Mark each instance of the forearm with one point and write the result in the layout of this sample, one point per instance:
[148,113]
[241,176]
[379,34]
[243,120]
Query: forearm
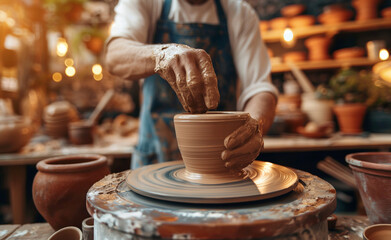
[129,59]
[262,107]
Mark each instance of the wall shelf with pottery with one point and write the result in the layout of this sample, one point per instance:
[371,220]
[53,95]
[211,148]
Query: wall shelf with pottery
[325,64]
[351,26]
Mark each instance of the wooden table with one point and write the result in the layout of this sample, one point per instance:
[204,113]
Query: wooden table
[347,227]
[16,163]
[297,143]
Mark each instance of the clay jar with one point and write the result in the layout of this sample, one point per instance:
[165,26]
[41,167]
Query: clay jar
[201,140]
[61,185]
[318,48]
[372,171]
[365,9]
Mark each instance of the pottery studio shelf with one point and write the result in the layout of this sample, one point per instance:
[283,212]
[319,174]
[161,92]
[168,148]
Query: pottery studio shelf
[351,26]
[325,64]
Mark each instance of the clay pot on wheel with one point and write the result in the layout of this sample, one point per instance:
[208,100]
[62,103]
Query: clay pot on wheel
[201,140]
[372,171]
[61,185]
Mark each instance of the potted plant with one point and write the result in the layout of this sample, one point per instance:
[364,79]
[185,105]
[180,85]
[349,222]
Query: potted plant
[350,90]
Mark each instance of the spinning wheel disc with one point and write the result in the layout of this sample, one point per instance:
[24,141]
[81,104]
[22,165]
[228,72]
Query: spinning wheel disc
[170,181]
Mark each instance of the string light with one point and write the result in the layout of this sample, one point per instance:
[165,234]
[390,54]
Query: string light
[98,77]
[383,54]
[70,71]
[97,69]
[68,62]
[288,38]
[57,77]
[62,47]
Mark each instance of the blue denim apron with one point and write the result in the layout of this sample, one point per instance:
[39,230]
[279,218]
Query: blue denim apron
[157,141]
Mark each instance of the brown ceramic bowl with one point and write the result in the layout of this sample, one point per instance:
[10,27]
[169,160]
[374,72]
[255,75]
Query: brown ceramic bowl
[15,133]
[318,134]
[295,56]
[335,16]
[279,23]
[372,171]
[302,21]
[201,139]
[292,10]
[386,12]
[349,53]
[377,232]
[80,133]
[264,25]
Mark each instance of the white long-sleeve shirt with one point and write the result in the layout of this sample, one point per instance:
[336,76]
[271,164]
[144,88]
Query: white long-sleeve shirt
[136,20]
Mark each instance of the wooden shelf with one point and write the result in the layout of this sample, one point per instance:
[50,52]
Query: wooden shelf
[352,26]
[326,64]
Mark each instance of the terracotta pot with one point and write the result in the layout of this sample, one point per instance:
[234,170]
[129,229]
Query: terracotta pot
[377,232]
[318,48]
[335,16]
[61,185]
[201,139]
[81,132]
[302,21]
[15,133]
[350,117]
[365,9]
[292,10]
[295,56]
[349,53]
[386,12]
[372,171]
[279,23]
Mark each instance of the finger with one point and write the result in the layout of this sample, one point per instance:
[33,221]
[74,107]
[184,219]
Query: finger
[253,146]
[211,91]
[242,134]
[171,79]
[183,88]
[196,86]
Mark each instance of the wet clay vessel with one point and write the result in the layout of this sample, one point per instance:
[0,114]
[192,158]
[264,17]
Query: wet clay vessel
[372,171]
[377,232]
[61,184]
[201,140]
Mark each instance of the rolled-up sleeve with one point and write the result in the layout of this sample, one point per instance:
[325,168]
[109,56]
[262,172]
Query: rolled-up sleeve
[132,20]
[249,52]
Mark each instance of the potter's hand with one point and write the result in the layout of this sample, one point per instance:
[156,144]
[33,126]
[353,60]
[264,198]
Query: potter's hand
[243,146]
[190,73]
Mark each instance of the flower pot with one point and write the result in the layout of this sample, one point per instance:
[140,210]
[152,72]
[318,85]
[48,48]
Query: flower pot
[350,117]
[365,9]
[201,140]
[318,48]
[319,111]
[61,185]
[372,171]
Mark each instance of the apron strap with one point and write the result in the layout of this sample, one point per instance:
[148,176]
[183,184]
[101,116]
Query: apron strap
[220,13]
[166,10]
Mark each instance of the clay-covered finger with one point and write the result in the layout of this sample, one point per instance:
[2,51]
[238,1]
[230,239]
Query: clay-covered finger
[211,90]
[183,89]
[171,79]
[242,134]
[196,86]
[253,146]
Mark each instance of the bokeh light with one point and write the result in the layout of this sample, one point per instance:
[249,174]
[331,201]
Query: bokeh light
[62,47]
[383,54]
[97,69]
[68,62]
[70,71]
[98,77]
[57,77]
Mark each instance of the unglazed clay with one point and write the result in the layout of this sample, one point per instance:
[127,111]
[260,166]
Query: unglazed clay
[170,181]
[61,184]
[372,171]
[191,75]
[377,232]
[201,140]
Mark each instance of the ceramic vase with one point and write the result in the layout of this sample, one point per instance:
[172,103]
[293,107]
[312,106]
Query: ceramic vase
[201,139]
[61,185]
[317,110]
[350,117]
[372,171]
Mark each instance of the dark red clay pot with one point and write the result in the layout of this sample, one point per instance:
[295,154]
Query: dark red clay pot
[61,185]
[372,171]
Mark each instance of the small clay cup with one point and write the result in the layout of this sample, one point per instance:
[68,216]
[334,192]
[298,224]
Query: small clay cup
[81,133]
[67,233]
[377,232]
[372,171]
[201,139]
[88,228]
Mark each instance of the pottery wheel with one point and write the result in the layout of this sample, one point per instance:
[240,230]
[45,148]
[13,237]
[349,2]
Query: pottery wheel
[120,213]
[170,181]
